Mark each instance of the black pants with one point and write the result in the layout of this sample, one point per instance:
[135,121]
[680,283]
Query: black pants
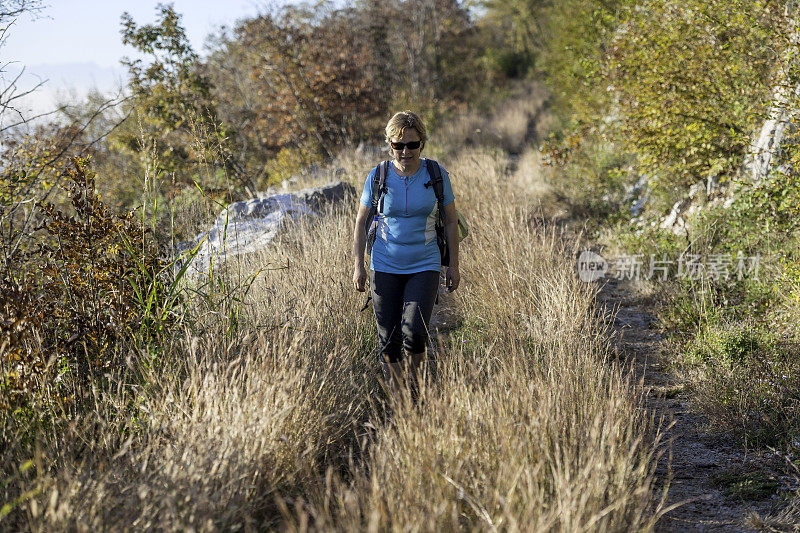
[403,304]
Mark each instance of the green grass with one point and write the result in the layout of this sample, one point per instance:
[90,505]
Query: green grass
[749,485]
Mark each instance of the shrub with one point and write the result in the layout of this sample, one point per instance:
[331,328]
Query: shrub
[747,379]
[691,78]
[71,298]
[592,172]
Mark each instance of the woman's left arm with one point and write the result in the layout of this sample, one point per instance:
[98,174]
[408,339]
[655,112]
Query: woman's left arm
[453,277]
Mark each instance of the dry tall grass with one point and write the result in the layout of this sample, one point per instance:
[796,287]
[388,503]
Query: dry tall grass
[529,426]
[266,412]
[522,119]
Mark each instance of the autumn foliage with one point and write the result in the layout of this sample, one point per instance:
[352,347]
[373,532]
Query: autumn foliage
[70,297]
[311,82]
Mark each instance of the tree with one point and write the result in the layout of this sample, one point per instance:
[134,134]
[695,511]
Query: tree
[692,78]
[174,101]
[33,152]
[307,81]
[519,22]
[296,81]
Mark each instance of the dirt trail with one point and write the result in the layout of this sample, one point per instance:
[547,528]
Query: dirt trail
[698,458]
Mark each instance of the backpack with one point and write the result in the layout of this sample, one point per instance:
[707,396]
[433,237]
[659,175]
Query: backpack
[378,191]
[437,182]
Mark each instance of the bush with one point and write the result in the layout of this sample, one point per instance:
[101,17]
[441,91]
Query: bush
[72,297]
[691,79]
[592,173]
[748,380]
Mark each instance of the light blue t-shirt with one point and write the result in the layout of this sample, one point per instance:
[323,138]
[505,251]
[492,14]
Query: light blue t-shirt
[405,242]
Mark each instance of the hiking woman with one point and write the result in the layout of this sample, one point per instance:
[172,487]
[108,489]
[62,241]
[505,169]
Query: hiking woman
[405,260]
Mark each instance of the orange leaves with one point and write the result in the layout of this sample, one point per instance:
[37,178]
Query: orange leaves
[311,78]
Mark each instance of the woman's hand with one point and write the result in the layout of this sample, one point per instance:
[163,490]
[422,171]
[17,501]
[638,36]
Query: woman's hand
[359,240]
[452,278]
[359,277]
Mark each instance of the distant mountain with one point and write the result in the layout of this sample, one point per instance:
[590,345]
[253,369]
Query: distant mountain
[66,82]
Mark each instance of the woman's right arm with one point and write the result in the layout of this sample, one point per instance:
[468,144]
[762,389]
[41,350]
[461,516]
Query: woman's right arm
[359,243]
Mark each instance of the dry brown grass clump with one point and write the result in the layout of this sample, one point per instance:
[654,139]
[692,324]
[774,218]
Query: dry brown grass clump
[263,413]
[263,390]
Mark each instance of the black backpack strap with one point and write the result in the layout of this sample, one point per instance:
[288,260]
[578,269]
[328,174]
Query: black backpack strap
[379,182]
[378,192]
[435,172]
[383,171]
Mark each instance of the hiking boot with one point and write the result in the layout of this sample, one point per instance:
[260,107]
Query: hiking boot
[417,368]
[393,377]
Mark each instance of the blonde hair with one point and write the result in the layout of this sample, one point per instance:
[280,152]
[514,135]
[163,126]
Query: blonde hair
[402,121]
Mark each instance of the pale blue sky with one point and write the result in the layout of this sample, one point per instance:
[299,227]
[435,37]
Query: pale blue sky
[76,45]
[80,31]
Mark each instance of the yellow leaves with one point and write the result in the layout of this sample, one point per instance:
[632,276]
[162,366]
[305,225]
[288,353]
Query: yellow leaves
[75,305]
[684,99]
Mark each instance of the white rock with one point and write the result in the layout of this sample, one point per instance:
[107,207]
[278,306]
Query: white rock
[696,189]
[249,225]
[672,218]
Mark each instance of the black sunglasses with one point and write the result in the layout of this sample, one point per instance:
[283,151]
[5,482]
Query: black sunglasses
[413,145]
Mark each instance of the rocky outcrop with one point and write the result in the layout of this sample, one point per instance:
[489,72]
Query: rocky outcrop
[317,197]
[683,209]
[250,225]
[764,155]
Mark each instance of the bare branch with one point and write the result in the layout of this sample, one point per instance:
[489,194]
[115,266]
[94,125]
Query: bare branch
[26,120]
[10,249]
[12,84]
[11,9]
